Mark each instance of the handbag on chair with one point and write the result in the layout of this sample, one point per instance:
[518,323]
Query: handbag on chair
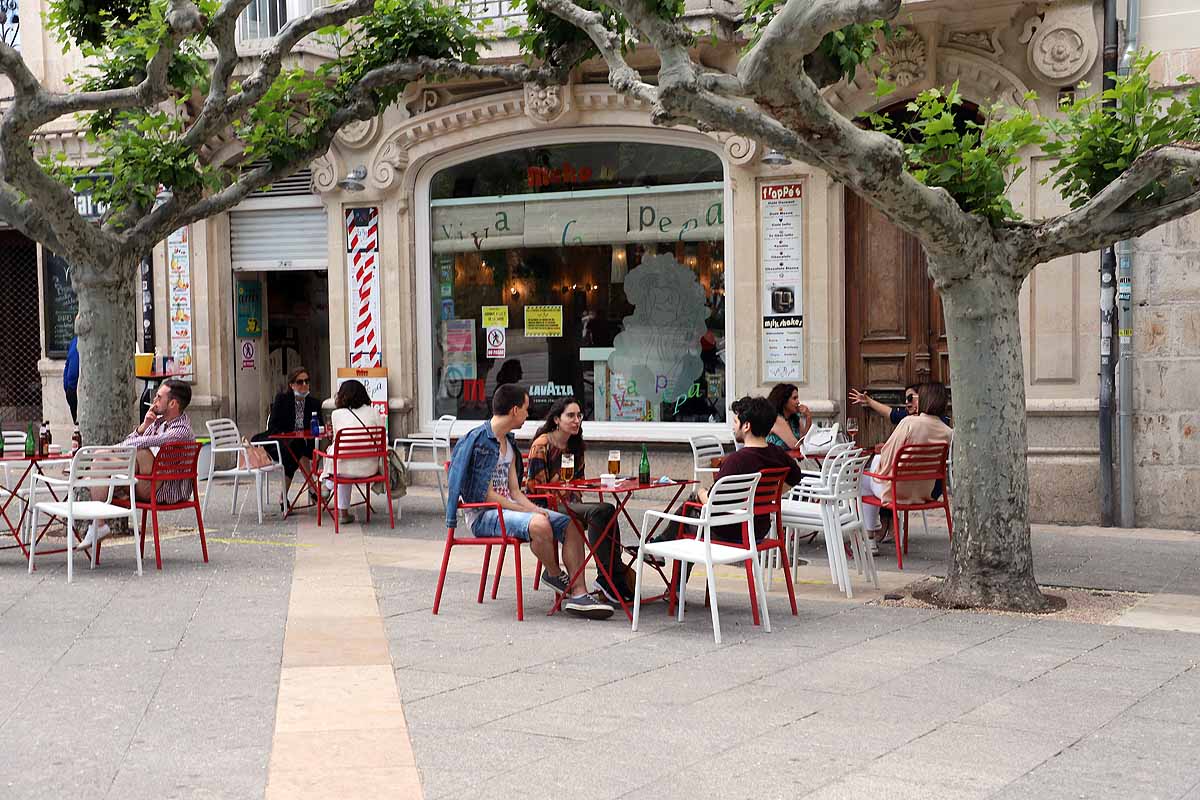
[818,441]
[253,457]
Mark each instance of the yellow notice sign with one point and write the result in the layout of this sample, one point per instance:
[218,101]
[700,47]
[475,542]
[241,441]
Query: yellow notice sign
[543,321]
[495,316]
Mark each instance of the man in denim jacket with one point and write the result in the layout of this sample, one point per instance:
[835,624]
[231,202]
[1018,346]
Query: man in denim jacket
[483,469]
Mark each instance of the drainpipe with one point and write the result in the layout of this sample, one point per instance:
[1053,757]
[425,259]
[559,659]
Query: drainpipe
[1133,14]
[1107,308]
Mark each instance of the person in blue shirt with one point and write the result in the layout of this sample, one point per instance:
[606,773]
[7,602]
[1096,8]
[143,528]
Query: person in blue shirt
[911,397]
[483,469]
[71,378]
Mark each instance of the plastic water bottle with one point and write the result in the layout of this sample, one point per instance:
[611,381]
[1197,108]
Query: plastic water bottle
[314,425]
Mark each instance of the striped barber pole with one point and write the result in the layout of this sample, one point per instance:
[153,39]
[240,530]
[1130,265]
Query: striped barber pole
[362,262]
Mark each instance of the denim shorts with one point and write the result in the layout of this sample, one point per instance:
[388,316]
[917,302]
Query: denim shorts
[516,524]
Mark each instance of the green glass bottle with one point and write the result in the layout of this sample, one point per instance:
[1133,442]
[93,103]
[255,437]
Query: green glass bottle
[1,444]
[644,467]
[29,441]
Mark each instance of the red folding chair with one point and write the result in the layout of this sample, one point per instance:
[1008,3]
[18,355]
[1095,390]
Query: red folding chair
[503,540]
[176,461]
[914,462]
[768,499]
[355,443]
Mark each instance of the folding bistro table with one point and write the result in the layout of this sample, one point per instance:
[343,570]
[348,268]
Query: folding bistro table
[621,492]
[9,496]
[310,480]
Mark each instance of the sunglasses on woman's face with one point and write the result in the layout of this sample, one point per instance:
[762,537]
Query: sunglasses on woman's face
[302,381]
[909,398]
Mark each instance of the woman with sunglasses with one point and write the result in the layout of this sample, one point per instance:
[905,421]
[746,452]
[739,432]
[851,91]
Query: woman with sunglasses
[911,399]
[293,410]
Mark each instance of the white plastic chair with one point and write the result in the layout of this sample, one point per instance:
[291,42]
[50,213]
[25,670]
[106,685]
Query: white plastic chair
[92,467]
[439,451]
[730,502]
[225,438]
[705,448]
[835,508]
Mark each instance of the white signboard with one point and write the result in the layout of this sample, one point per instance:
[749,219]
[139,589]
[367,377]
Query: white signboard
[179,294]
[496,341]
[374,379]
[781,262]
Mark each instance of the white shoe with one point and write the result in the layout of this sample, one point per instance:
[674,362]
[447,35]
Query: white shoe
[872,542]
[95,534]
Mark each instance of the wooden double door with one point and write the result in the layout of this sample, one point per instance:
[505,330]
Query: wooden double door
[895,331]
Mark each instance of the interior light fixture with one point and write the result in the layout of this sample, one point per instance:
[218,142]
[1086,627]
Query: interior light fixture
[353,182]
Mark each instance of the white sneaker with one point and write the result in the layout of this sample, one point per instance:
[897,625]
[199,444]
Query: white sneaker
[95,533]
[872,543]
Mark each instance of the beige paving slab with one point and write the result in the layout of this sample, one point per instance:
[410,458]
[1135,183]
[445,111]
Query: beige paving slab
[1167,612]
[335,783]
[340,730]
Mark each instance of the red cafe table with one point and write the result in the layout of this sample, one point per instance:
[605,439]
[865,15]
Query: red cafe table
[9,496]
[621,493]
[289,441]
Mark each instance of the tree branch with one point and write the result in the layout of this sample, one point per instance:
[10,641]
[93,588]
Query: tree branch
[622,77]
[1107,218]
[254,87]
[796,31]
[222,32]
[21,214]
[183,20]
[25,85]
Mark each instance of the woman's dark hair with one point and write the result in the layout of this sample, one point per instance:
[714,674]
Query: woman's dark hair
[352,394]
[932,398]
[508,397]
[296,373]
[574,443]
[779,396]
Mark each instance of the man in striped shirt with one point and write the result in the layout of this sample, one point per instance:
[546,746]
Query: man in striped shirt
[164,422]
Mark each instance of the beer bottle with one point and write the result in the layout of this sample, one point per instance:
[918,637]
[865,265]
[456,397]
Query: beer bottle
[644,467]
[1,443]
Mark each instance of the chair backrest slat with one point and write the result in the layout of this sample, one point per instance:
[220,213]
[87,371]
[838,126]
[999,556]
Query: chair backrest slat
[917,462]
[223,433]
[360,443]
[102,464]
[731,500]
[849,475]
[770,488]
[15,441]
[705,448]
[176,461]
[443,428]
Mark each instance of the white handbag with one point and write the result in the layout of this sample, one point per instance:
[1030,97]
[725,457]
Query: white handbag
[817,441]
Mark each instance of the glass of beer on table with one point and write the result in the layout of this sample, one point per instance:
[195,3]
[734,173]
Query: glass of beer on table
[614,462]
[566,468]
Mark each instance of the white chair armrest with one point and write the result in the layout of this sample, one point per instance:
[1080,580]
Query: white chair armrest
[37,476]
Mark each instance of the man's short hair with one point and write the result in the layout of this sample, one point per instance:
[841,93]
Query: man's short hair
[757,412]
[179,391]
[507,397]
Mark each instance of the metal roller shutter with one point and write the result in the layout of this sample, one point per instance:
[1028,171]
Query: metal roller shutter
[279,239]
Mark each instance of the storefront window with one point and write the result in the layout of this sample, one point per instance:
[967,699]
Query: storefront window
[594,270]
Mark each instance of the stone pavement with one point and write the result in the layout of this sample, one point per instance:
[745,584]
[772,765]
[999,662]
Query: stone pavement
[260,675]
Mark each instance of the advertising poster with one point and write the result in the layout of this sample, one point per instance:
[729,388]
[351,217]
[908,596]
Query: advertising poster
[458,349]
[179,298]
[375,379]
[495,316]
[781,262]
[249,308]
[545,321]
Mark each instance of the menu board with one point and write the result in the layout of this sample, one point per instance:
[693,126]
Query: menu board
[59,304]
[781,263]
[179,294]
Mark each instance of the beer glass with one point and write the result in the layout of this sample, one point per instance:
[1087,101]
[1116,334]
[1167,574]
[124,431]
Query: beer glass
[614,462]
[566,468]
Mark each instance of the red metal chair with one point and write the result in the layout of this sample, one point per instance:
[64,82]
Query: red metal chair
[914,462]
[355,443]
[503,540]
[768,499]
[175,461]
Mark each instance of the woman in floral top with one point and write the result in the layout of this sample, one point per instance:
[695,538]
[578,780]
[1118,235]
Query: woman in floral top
[562,433]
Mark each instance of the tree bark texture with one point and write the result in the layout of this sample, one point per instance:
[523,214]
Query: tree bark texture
[107,329]
[991,560]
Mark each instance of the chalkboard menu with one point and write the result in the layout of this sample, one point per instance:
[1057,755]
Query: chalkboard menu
[59,304]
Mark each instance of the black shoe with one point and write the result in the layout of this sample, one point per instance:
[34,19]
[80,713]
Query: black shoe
[614,594]
[559,583]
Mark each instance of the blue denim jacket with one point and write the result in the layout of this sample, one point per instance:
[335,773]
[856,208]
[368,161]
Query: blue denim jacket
[471,466]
